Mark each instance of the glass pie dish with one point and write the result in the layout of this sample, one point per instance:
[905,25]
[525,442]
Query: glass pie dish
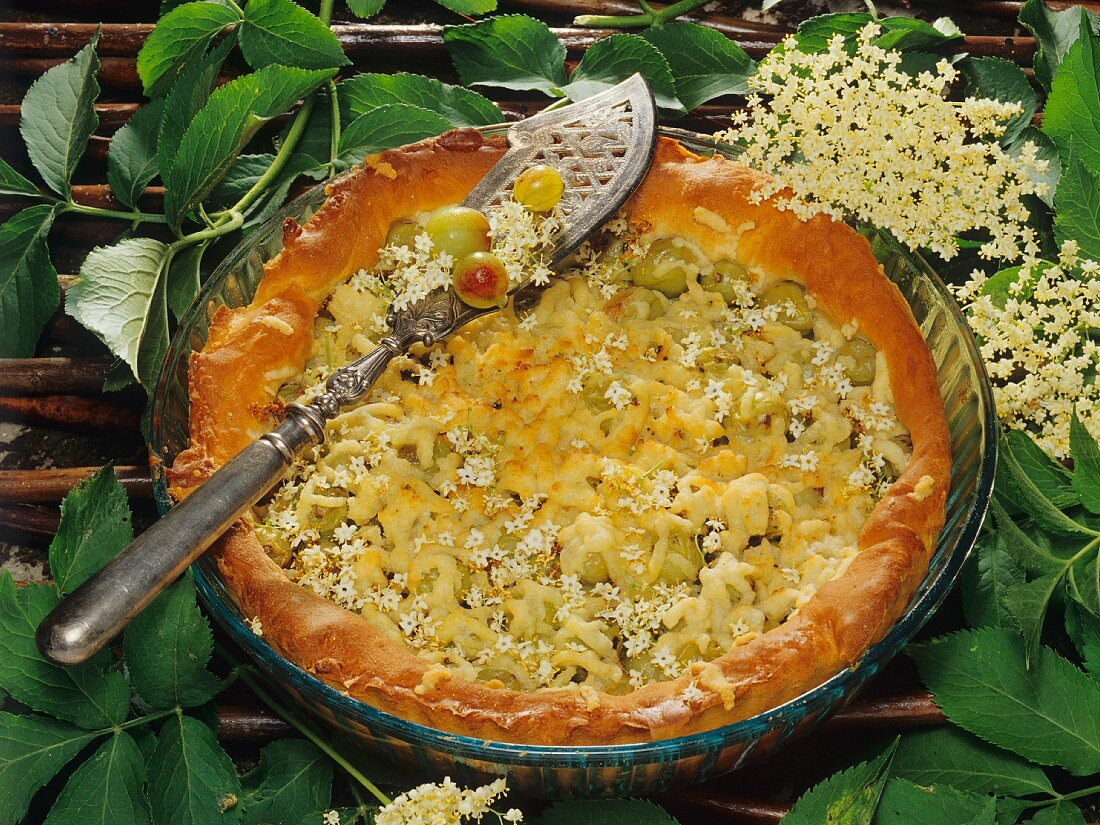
[627,769]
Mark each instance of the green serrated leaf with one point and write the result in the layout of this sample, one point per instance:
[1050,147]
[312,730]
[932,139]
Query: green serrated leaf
[348,816]
[512,51]
[472,7]
[188,95]
[115,294]
[184,279]
[1077,204]
[989,572]
[951,756]
[814,34]
[705,63]
[1061,812]
[132,154]
[191,777]
[32,750]
[167,649]
[904,803]
[1055,32]
[462,107]
[95,525]
[1014,483]
[365,8]
[93,695]
[178,40]
[294,777]
[981,681]
[224,125]
[13,183]
[282,32]
[1083,628]
[1086,464]
[1072,112]
[845,798]
[29,294]
[997,79]
[107,789]
[613,59]
[605,812]
[1032,551]
[1046,150]
[1053,480]
[276,194]
[394,124]
[1084,582]
[241,176]
[1028,603]
[58,117]
[907,33]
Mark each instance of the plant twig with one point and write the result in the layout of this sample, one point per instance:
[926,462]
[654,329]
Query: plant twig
[630,21]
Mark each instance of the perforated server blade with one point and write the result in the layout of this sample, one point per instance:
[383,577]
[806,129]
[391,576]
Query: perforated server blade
[602,147]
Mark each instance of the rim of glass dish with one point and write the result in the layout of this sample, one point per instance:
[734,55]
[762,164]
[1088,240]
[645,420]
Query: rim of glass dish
[928,598]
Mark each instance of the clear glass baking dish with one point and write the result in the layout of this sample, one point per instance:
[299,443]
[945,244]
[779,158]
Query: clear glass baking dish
[619,770]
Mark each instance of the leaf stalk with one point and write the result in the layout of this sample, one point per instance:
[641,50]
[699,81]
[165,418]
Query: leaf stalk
[629,21]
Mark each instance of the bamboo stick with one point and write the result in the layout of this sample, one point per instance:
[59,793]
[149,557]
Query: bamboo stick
[44,486]
[32,519]
[903,710]
[71,411]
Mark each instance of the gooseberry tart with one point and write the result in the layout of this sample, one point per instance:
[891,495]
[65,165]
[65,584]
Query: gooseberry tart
[699,478]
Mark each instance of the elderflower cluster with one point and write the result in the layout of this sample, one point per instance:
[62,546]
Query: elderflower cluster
[445,803]
[1037,333]
[854,136]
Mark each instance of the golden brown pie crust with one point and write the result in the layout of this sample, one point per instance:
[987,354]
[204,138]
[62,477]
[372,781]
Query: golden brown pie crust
[234,379]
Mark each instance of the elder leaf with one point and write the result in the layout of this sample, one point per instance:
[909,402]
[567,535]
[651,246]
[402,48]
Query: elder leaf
[179,39]
[184,278]
[224,125]
[107,789]
[1014,484]
[93,695]
[1072,112]
[294,778]
[848,797]
[241,176]
[907,34]
[132,154]
[32,750]
[1086,464]
[1045,150]
[980,680]
[116,295]
[394,124]
[1032,550]
[998,79]
[188,95]
[705,63]
[469,6]
[1028,602]
[605,812]
[1084,582]
[13,183]
[1083,629]
[191,779]
[904,803]
[95,525]
[613,59]
[950,756]
[989,572]
[1053,480]
[29,295]
[167,649]
[1077,203]
[365,8]
[462,107]
[512,51]
[1055,32]
[58,116]
[282,32]
[1062,812]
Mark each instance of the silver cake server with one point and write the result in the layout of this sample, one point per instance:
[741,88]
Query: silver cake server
[602,147]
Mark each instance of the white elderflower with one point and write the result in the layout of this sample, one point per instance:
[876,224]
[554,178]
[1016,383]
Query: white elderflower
[854,136]
[444,803]
[619,396]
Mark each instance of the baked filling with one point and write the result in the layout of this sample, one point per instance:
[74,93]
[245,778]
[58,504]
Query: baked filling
[666,458]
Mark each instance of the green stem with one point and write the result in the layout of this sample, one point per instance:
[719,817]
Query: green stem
[630,21]
[84,209]
[310,734]
[231,221]
[144,720]
[334,140]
